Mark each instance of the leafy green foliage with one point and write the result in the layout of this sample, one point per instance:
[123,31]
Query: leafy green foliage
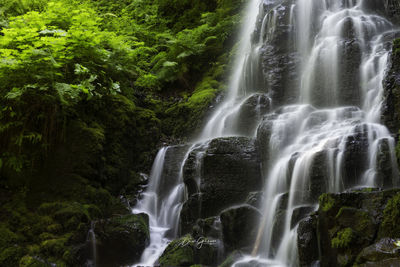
[86,90]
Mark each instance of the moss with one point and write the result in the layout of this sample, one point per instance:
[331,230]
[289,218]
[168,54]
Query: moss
[11,256]
[7,237]
[360,220]
[28,261]
[55,246]
[326,202]
[391,217]
[178,253]
[396,46]
[343,238]
[55,228]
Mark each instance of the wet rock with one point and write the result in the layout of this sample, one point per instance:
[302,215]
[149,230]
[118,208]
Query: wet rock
[190,213]
[382,250]
[300,213]
[307,241]
[388,8]
[385,173]
[239,227]
[318,177]
[230,169]
[187,251]
[249,114]
[346,224]
[209,227]
[264,131]
[355,156]
[172,167]
[121,240]
[391,84]
[255,199]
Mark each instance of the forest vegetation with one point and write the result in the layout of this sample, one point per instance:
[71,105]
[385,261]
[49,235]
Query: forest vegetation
[87,91]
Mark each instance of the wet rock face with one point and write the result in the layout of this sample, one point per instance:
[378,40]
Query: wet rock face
[351,228]
[391,84]
[387,8]
[172,165]
[229,170]
[278,54]
[307,241]
[239,227]
[250,113]
[121,240]
[355,156]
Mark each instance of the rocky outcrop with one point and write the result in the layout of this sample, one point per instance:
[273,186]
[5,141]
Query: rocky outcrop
[121,240]
[352,228]
[229,168]
[240,227]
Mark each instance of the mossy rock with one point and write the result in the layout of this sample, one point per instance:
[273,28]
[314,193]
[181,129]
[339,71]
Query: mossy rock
[187,251]
[391,219]
[343,238]
[326,202]
[29,261]
[121,240]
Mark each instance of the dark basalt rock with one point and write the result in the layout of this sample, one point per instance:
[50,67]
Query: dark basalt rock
[249,114]
[279,58]
[255,199]
[172,167]
[382,250]
[350,228]
[239,227]
[391,84]
[307,241]
[387,8]
[300,213]
[355,156]
[121,240]
[229,170]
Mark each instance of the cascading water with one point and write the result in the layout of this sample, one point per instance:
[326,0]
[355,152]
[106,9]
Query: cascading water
[308,79]
[162,203]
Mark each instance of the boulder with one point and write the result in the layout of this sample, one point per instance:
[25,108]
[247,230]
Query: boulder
[229,170]
[239,227]
[384,249]
[349,227]
[121,240]
[307,241]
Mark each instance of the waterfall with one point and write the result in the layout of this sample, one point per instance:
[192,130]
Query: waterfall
[162,202]
[91,241]
[312,71]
